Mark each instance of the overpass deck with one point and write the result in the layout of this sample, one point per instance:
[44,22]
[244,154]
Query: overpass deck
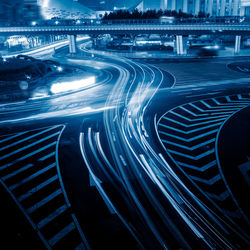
[178,29]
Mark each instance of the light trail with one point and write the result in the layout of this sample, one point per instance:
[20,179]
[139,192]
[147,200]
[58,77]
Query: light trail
[148,184]
[46,48]
[133,144]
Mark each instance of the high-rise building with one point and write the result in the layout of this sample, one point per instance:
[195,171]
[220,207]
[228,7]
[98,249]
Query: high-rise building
[31,10]
[18,11]
[245,8]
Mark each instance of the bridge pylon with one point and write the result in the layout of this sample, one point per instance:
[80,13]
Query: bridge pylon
[237,44]
[72,44]
[180,45]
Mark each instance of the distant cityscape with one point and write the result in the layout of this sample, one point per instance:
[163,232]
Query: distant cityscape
[18,11]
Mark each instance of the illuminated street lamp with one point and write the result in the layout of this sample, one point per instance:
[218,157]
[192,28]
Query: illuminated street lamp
[56,22]
[33,23]
[59,69]
[78,22]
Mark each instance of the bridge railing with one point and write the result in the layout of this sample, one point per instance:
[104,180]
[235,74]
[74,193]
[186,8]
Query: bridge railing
[160,21]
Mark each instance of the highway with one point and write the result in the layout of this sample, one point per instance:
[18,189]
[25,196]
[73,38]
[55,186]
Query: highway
[234,29]
[111,165]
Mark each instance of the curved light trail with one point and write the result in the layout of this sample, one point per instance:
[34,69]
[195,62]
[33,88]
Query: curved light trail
[150,200]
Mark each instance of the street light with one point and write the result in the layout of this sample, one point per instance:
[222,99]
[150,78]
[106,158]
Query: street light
[59,69]
[56,22]
[33,23]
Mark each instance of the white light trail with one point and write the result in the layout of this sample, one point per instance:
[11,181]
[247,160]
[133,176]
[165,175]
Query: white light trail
[73,85]
[45,48]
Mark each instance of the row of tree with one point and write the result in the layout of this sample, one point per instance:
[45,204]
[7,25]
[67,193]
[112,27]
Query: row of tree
[149,14]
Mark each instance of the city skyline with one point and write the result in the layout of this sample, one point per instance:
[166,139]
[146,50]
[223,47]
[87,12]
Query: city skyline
[211,7]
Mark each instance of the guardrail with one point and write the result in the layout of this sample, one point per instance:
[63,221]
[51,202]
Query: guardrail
[162,20]
[128,28]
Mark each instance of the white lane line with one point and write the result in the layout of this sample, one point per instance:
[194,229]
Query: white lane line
[61,234]
[14,186]
[30,145]
[27,138]
[12,137]
[44,201]
[28,155]
[52,216]
[17,172]
[37,188]
[47,156]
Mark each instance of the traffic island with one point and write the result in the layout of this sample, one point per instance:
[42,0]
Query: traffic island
[234,157]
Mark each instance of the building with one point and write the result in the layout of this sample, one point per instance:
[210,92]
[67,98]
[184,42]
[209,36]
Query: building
[19,11]
[31,10]
[245,8]
[11,12]
[211,7]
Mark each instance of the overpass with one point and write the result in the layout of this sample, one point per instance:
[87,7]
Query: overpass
[179,30]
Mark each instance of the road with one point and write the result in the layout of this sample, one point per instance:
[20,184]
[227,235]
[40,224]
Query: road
[87,168]
[182,29]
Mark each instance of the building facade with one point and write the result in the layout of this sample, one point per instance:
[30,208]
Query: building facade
[245,8]
[31,10]
[19,11]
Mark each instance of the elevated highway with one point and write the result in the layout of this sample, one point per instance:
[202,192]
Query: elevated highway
[179,30]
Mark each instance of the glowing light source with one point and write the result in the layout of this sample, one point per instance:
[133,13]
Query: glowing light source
[33,23]
[45,3]
[212,47]
[148,42]
[73,85]
[59,69]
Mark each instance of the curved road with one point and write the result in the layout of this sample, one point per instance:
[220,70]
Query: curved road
[135,186]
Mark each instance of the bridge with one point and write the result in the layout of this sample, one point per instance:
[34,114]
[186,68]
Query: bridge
[179,30]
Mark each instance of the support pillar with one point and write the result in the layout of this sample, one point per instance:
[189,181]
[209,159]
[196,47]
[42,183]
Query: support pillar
[180,45]
[237,44]
[94,41]
[36,42]
[31,42]
[52,38]
[132,39]
[72,44]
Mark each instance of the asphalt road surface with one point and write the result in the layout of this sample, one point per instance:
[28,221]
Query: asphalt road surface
[130,163]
